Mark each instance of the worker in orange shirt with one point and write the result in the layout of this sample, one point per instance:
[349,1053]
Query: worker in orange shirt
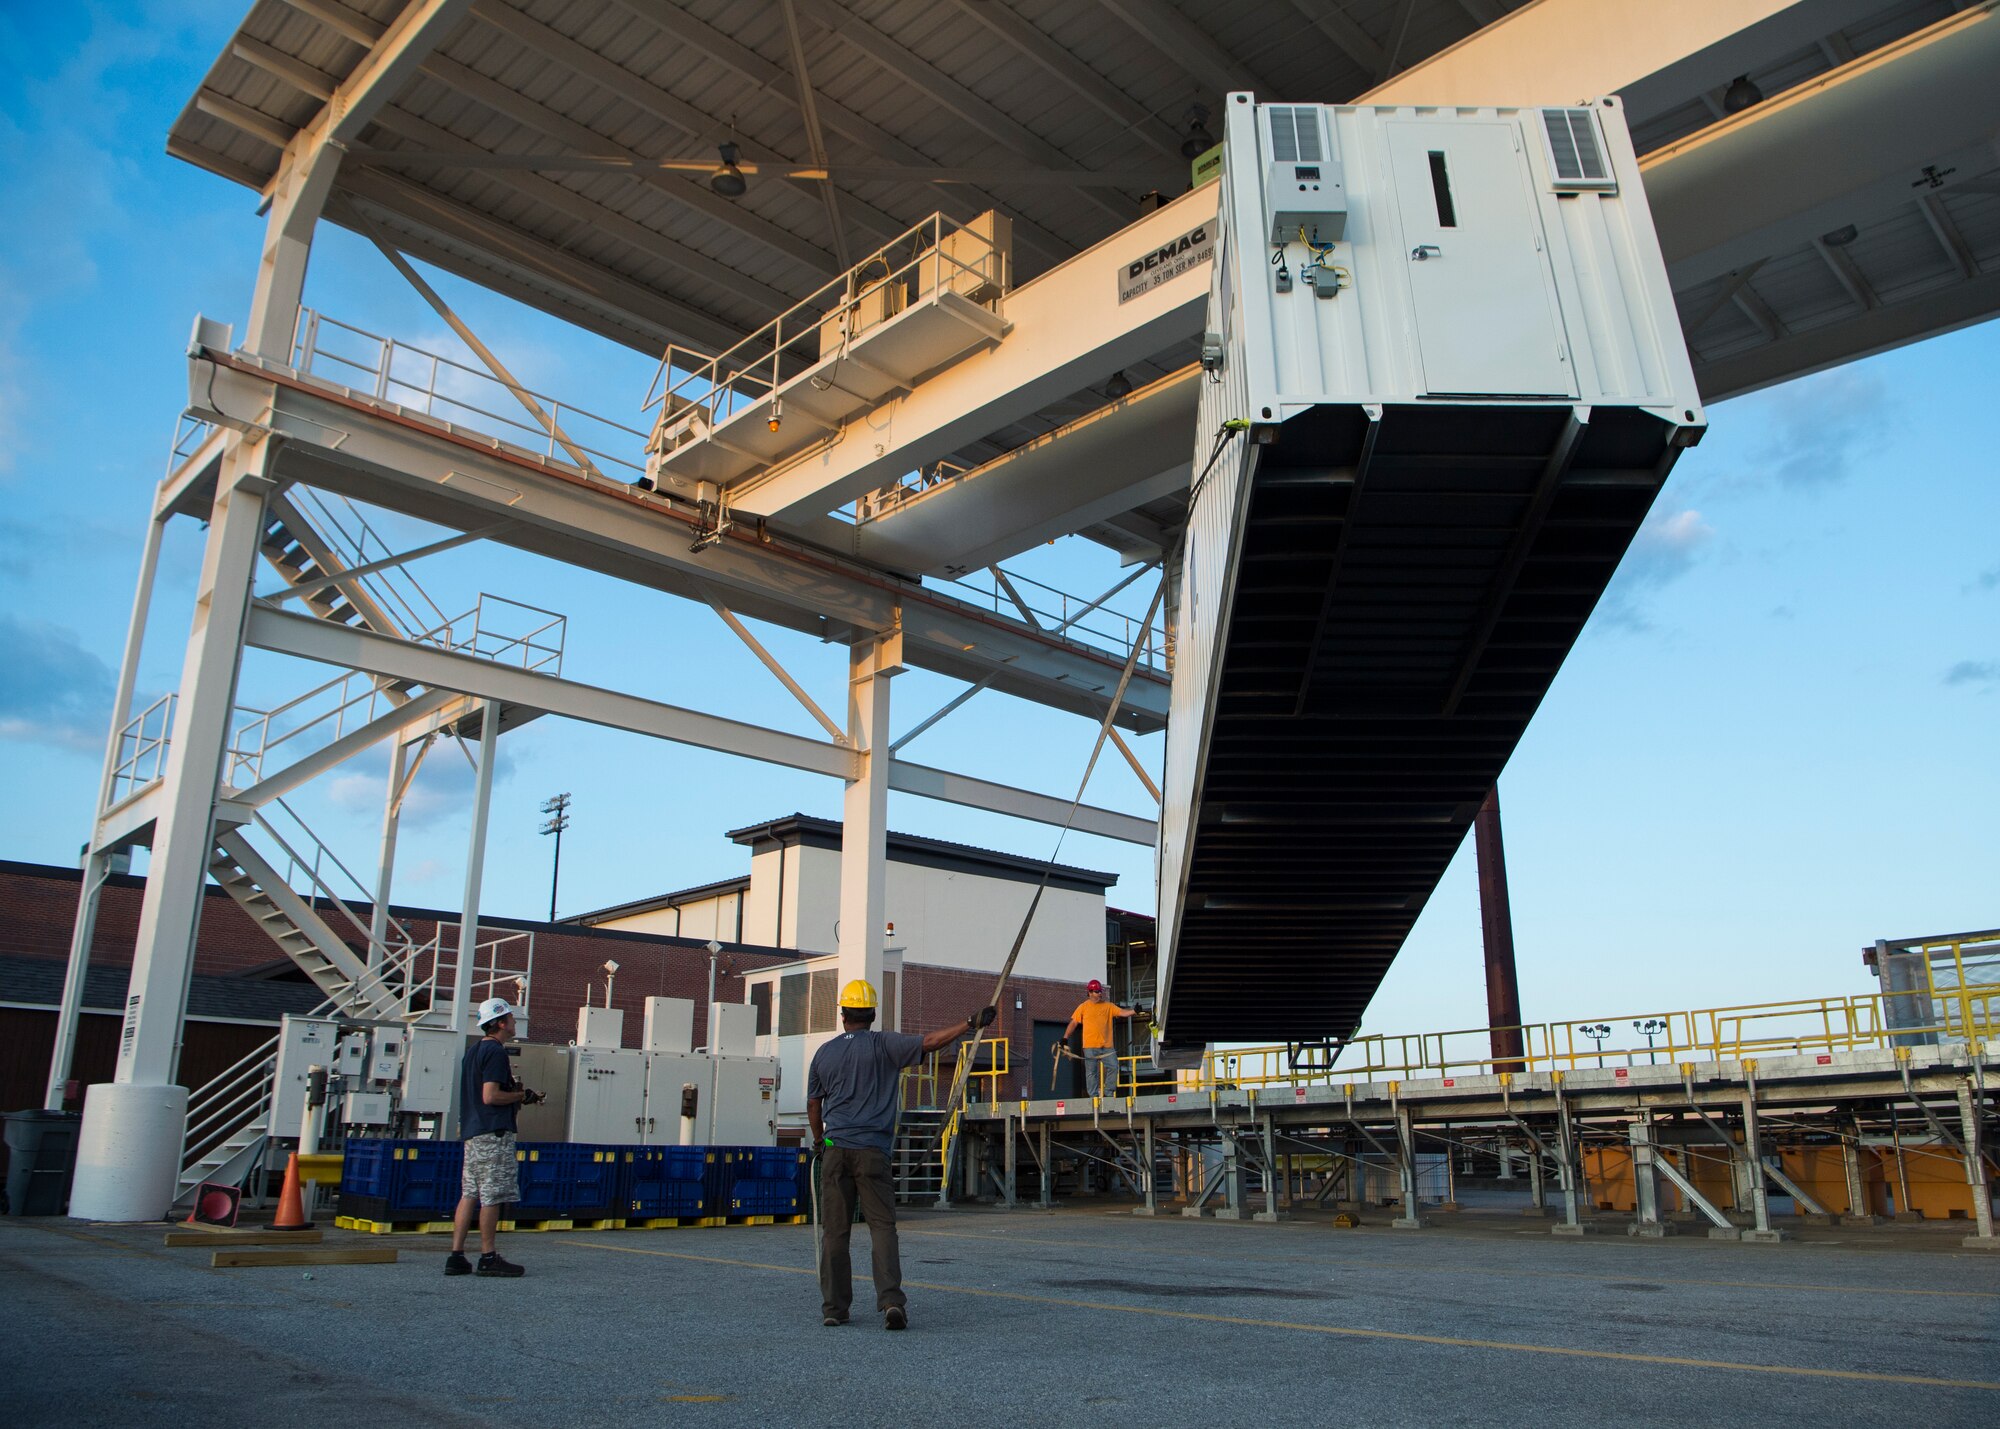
[1095,1015]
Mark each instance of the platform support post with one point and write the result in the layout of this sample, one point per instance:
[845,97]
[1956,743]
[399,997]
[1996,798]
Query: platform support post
[1412,1217]
[1975,1170]
[1010,1133]
[1753,1156]
[1048,1170]
[1271,1211]
[1566,1169]
[1645,1175]
[1150,1206]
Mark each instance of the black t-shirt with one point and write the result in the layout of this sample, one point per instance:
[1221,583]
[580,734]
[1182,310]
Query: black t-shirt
[485,1061]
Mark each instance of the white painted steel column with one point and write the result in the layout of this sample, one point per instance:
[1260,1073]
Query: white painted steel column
[385,868]
[475,868]
[98,865]
[864,845]
[126,1164]
[298,194]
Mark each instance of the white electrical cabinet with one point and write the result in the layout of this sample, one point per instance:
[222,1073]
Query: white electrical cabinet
[743,1104]
[607,1097]
[667,1074]
[600,1027]
[431,1070]
[669,1025]
[302,1042]
[732,1029]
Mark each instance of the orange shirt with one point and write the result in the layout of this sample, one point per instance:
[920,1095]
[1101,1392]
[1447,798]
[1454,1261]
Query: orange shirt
[1096,1019]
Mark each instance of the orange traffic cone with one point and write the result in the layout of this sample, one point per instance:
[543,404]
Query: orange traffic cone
[291,1204]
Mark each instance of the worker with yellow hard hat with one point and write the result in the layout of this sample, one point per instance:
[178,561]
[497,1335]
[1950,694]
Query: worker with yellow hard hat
[852,1096]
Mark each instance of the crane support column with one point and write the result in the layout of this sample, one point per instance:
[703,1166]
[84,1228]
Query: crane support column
[864,846]
[130,1141]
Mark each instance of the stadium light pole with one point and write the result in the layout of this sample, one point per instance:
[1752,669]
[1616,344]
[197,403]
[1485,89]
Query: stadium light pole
[558,809]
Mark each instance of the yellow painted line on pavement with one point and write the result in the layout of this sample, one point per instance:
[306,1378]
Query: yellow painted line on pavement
[1608,1278]
[1349,1331]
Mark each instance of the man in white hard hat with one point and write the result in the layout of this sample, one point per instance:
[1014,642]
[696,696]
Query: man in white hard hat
[852,1093]
[488,1100]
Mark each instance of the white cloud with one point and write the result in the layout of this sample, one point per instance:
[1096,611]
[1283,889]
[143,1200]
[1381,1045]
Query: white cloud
[52,690]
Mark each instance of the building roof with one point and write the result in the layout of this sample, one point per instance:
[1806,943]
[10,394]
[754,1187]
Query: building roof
[254,997]
[659,901]
[802,830]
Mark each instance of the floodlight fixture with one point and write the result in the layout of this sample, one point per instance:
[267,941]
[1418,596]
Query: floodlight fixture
[727,179]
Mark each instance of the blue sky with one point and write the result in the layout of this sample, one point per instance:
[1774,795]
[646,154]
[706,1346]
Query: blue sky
[1774,744]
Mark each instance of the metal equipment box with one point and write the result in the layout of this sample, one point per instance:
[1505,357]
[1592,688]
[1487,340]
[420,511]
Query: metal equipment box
[430,1070]
[667,1074]
[547,1069]
[366,1109]
[669,1025]
[607,1097]
[732,1029]
[302,1042]
[600,1027]
[743,1105]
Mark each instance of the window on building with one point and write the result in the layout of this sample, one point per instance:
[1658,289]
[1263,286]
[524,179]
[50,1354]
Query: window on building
[824,997]
[792,1005]
[760,998]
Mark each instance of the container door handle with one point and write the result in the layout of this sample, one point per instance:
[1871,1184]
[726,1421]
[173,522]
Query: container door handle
[1425,250]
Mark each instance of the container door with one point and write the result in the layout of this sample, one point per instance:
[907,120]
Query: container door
[607,1098]
[1479,278]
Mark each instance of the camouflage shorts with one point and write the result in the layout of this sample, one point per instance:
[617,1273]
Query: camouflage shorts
[490,1176]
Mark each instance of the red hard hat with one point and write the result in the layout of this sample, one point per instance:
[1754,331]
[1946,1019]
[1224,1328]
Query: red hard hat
[1094,986]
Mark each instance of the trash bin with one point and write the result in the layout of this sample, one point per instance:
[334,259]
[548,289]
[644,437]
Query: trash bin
[41,1161]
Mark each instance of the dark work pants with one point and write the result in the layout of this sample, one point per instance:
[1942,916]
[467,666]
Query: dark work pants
[845,1174]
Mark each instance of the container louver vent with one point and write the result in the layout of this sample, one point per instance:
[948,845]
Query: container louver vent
[1295,135]
[1576,155]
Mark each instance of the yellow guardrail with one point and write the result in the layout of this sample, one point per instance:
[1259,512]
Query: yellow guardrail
[1798,1026]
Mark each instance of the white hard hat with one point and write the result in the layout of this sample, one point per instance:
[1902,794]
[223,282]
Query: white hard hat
[493,1009]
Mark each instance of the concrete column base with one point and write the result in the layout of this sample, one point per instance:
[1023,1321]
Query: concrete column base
[1409,1223]
[1193,1213]
[1868,1220]
[1565,1228]
[1226,1213]
[1770,1237]
[1724,1233]
[1658,1230]
[1271,1217]
[1981,1242]
[128,1156]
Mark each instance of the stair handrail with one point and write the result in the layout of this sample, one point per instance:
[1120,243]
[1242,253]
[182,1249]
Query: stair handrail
[244,756]
[229,1108]
[353,547]
[126,776]
[319,883]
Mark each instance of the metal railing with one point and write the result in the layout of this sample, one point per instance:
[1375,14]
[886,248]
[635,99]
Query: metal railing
[914,266]
[396,589]
[482,631]
[1798,1027]
[142,750]
[462,396]
[327,712]
[1061,613]
[189,433]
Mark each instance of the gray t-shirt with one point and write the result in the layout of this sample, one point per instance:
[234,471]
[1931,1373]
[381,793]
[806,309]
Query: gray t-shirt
[857,1080]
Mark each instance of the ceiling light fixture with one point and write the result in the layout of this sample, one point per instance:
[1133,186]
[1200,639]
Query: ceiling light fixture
[1841,236]
[1199,141]
[727,179]
[1119,386]
[1741,94]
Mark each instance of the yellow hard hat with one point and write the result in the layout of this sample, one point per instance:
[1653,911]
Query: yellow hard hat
[859,993]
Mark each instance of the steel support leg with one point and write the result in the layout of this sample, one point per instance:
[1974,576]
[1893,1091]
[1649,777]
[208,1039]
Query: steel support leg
[1150,1205]
[475,867]
[1271,1211]
[865,811]
[1969,1111]
[1412,1217]
[1233,1179]
[1760,1196]
[1859,1212]
[385,864]
[1012,1134]
[1647,1220]
[1048,1171]
[1566,1170]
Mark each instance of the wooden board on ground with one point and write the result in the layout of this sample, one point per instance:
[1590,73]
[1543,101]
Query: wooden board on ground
[330,1255]
[248,1235]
